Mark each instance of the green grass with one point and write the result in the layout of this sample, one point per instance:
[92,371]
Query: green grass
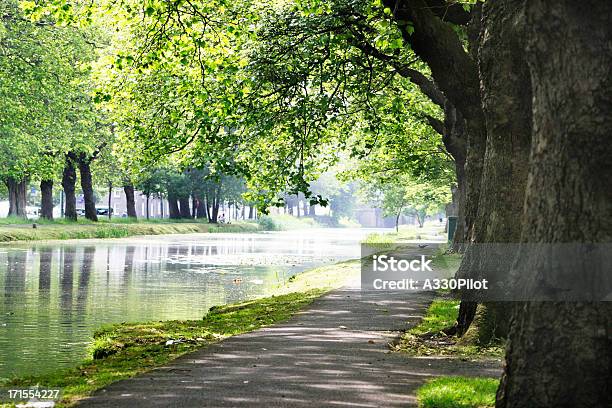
[441,314]
[405,232]
[286,222]
[125,350]
[458,392]
[104,229]
[428,339]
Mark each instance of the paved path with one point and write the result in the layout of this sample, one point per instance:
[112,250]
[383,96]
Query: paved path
[334,353]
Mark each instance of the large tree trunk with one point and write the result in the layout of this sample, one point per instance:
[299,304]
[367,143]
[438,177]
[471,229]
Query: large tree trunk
[194,207]
[17,190]
[69,177]
[201,211]
[46,202]
[147,212]
[214,217]
[184,207]
[560,353]
[173,207]
[214,214]
[87,187]
[456,74]
[128,189]
[454,139]
[506,96]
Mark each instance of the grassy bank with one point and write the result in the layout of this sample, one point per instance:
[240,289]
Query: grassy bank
[19,229]
[125,350]
[111,229]
[286,222]
[458,392]
[405,233]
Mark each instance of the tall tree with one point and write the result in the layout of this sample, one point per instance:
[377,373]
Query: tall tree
[69,177]
[46,202]
[506,102]
[45,110]
[84,163]
[567,197]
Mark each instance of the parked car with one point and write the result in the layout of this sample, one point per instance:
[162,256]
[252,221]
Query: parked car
[103,211]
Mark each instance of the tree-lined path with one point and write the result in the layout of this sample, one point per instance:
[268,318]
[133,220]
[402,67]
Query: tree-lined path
[335,353]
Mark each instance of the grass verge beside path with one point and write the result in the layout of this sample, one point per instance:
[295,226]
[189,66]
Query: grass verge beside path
[124,350]
[81,230]
[458,392]
[432,336]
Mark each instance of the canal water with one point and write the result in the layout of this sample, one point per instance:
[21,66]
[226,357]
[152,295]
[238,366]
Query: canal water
[53,296]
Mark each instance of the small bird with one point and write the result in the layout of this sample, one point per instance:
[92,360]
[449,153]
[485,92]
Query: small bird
[237,280]
[422,245]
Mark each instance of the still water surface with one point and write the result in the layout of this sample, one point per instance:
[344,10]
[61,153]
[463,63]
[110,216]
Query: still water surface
[54,295]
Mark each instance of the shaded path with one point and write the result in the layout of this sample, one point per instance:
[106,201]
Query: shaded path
[334,353]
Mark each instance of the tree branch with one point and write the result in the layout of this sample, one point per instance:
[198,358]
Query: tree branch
[427,86]
[438,45]
[449,12]
[436,124]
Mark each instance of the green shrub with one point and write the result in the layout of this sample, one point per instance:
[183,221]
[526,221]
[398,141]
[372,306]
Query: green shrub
[266,223]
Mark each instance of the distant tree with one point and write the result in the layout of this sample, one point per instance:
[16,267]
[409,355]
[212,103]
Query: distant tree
[403,195]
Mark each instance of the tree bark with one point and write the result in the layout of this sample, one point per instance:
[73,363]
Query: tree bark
[214,213]
[147,197]
[69,177]
[17,190]
[454,139]
[128,189]
[84,163]
[46,202]
[506,97]
[185,210]
[110,200]
[194,208]
[560,353]
[173,207]
[201,212]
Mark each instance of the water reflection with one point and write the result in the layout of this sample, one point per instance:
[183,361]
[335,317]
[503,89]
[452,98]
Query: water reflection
[44,267]
[55,296]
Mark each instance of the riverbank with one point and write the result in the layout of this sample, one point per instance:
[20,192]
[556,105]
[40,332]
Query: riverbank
[337,349]
[125,350]
[15,229]
[83,230]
